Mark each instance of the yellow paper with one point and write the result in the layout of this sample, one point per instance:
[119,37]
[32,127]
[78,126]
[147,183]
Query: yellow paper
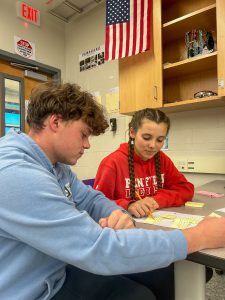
[182,223]
[170,217]
[98,99]
[194,204]
[152,221]
[112,102]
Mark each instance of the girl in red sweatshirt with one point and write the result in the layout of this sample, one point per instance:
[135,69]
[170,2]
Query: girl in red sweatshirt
[138,169]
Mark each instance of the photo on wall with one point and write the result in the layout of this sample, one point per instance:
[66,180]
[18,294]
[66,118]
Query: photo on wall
[92,58]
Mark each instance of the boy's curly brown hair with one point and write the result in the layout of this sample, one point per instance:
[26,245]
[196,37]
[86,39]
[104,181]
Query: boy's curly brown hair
[67,100]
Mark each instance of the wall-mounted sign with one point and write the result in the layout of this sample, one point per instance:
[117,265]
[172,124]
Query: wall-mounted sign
[92,58]
[28,13]
[24,48]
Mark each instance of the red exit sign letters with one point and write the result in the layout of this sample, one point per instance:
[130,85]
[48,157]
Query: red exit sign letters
[28,13]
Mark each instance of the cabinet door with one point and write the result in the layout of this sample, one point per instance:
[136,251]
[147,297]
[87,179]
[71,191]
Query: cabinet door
[220,13]
[140,76]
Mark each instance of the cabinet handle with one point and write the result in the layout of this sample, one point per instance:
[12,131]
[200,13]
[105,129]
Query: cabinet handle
[155,94]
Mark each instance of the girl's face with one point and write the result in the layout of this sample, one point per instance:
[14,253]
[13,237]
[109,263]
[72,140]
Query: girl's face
[149,138]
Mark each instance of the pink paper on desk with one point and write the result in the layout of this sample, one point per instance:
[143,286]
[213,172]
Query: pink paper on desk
[210,194]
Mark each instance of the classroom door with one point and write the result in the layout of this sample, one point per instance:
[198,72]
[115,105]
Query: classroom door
[15,90]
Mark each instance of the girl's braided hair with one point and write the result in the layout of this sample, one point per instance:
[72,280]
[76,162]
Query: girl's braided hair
[158,117]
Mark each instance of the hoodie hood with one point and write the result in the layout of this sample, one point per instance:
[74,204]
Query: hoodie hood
[18,146]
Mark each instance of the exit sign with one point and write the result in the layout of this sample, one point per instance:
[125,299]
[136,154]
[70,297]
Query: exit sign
[28,13]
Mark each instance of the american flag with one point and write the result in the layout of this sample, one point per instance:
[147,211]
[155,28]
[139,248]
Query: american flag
[127,27]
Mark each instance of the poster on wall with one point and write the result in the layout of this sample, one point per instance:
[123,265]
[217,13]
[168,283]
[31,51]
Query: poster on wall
[92,58]
[24,48]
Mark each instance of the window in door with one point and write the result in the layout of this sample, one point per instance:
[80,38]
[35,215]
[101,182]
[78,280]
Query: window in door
[12,104]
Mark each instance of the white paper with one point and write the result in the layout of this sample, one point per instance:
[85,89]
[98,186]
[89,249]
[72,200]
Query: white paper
[221,209]
[171,219]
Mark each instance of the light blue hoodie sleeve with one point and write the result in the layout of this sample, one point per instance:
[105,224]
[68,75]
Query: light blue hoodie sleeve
[35,211]
[90,200]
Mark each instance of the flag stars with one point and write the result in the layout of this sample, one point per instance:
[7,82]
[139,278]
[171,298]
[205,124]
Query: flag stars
[117,11]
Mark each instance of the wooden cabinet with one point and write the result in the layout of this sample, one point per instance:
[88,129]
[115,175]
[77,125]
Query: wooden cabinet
[164,77]
[140,76]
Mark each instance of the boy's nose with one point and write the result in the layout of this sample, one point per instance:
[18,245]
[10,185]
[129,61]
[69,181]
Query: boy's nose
[86,144]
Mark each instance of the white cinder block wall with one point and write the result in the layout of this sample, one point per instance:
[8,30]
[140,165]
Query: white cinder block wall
[199,133]
[100,147]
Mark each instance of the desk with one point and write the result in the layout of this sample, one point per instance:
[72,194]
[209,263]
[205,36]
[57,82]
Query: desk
[190,273]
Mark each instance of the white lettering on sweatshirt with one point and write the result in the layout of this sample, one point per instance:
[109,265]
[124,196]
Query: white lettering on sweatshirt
[145,186]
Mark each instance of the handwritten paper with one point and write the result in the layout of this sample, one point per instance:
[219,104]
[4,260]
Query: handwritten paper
[182,223]
[172,219]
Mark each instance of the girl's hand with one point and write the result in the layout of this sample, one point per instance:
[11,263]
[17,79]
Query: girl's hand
[142,208]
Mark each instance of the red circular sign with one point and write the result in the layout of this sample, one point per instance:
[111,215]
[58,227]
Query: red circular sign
[24,48]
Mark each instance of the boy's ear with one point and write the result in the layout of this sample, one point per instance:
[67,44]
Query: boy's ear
[54,121]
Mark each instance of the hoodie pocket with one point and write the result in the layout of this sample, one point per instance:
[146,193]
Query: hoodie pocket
[53,284]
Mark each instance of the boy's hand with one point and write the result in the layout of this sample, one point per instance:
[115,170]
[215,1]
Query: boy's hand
[117,220]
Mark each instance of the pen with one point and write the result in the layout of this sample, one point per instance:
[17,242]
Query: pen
[139,197]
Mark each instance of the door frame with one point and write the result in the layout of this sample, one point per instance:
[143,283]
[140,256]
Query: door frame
[11,57]
[22,103]
[55,74]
